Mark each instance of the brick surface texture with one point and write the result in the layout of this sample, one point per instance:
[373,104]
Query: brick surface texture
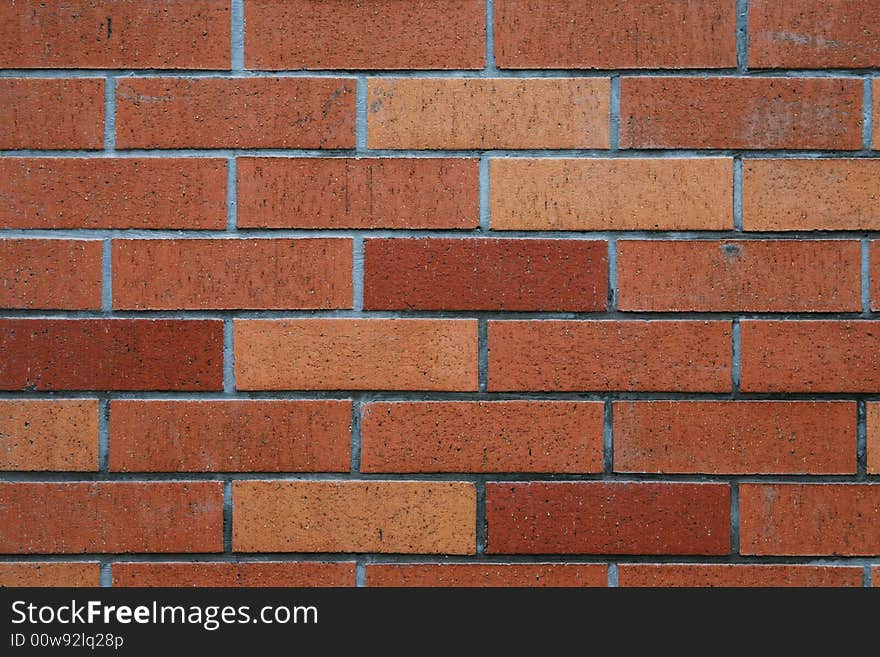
[473,293]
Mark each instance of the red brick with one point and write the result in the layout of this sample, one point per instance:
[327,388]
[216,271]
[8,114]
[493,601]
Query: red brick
[810,356]
[611,194]
[235,113]
[741,575]
[807,34]
[187,34]
[145,193]
[53,518]
[738,275]
[809,519]
[119,354]
[49,573]
[425,192]
[485,575]
[874,274]
[230,436]
[478,113]
[735,437]
[53,435]
[504,436]
[608,355]
[806,113]
[607,518]
[63,274]
[608,34]
[356,354]
[798,194]
[51,113]
[354,516]
[873,421]
[238,574]
[485,274]
[381,34]
[232,273]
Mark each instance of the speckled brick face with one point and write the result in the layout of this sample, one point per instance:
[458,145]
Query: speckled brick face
[466,293]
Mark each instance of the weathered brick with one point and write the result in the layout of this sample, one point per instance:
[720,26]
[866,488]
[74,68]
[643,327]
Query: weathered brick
[477,113]
[873,423]
[354,516]
[424,192]
[356,354]
[229,436]
[485,274]
[49,573]
[607,518]
[503,436]
[52,435]
[736,575]
[239,574]
[485,575]
[719,437]
[874,274]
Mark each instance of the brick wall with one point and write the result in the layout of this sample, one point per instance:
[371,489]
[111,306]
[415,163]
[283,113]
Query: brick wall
[439,292]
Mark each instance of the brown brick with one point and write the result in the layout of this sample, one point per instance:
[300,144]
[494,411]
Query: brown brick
[53,518]
[608,34]
[484,575]
[115,354]
[606,194]
[235,113]
[239,574]
[145,193]
[356,354]
[608,355]
[810,356]
[54,435]
[51,113]
[809,519]
[503,436]
[740,575]
[738,275]
[232,273]
[607,518]
[230,436]
[735,437]
[807,34]
[381,34]
[497,113]
[806,113]
[425,192]
[49,573]
[873,420]
[63,274]
[485,274]
[874,274]
[354,516]
[189,34]
[826,194]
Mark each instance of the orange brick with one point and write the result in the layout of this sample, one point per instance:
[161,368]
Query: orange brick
[239,574]
[735,437]
[608,34]
[62,274]
[874,274]
[354,516]
[380,34]
[229,436]
[480,113]
[49,573]
[51,113]
[232,273]
[50,518]
[873,420]
[757,276]
[748,113]
[235,113]
[356,354]
[424,192]
[608,355]
[606,194]
[504,436]
[52,435]
[729,575]
[826,194]
[111,34]
[485,575]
